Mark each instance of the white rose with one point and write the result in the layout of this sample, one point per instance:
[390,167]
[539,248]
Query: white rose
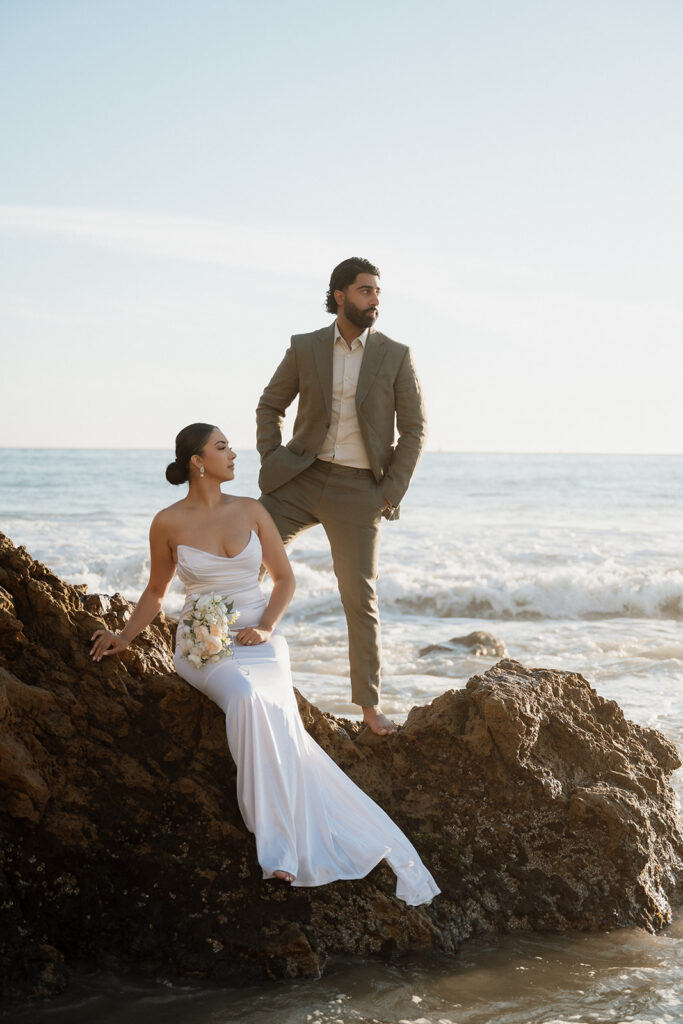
[203,602]
[214,644]
[195,659]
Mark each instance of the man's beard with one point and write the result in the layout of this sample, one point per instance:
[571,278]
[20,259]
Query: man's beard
[360,317]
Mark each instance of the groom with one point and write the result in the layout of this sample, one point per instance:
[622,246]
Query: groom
[342,467]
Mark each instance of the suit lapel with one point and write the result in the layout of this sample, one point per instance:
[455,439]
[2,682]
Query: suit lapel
[372,360]
[323,351]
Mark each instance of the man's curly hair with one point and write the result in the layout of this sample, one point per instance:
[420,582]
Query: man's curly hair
[345,274]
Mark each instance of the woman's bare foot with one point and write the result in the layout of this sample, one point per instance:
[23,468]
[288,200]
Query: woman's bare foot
[284,876]
[377,721]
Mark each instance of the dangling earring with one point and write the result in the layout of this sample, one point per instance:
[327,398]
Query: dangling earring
[201,471]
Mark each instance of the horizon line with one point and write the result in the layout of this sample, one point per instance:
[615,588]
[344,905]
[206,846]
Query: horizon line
[428,451]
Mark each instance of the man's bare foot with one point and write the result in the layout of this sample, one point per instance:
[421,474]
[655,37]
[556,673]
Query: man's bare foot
[284,876]
[377,721]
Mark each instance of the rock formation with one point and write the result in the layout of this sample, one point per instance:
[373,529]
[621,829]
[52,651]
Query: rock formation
[478,643]
[533,801]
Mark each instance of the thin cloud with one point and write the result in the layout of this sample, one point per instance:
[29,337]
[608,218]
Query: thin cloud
[492,296]
[175,237]
[288,252]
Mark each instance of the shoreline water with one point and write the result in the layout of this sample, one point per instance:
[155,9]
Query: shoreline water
[518,979]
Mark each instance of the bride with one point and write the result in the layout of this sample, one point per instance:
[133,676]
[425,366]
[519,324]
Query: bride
[311,822]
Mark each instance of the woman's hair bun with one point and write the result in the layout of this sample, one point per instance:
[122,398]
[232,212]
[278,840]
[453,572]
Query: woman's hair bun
[176,473]
[190,441]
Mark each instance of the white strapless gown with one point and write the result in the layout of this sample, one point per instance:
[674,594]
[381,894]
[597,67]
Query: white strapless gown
[308,817]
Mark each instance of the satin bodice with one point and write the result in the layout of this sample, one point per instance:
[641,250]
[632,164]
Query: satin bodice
[235,578]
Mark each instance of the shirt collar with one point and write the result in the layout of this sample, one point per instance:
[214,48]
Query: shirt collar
[361,339]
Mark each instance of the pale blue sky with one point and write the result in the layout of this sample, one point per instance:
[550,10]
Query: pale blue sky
[178,180]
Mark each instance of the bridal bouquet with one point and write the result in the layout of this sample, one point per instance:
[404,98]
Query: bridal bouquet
[205,635]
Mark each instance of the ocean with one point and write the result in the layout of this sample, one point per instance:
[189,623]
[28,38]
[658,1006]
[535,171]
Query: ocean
[571,561]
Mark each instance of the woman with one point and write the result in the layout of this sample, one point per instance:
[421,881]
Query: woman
[312,823]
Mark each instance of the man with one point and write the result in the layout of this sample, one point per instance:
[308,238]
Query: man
[342,468]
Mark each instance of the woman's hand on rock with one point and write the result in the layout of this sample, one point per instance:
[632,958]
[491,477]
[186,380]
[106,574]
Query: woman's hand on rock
[106,642]
[253,635]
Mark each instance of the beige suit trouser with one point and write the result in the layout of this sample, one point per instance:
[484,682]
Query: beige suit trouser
[347,503]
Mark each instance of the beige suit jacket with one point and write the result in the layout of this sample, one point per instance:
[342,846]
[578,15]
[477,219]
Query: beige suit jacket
[388,399]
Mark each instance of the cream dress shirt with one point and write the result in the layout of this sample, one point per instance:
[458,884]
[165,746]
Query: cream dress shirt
[343,442]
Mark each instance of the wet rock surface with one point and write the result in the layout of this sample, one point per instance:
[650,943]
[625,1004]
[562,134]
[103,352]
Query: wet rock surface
[479,643]
[534,803]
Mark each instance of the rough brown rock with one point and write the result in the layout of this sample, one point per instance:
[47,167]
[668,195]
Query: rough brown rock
[533,801]
[480,643]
